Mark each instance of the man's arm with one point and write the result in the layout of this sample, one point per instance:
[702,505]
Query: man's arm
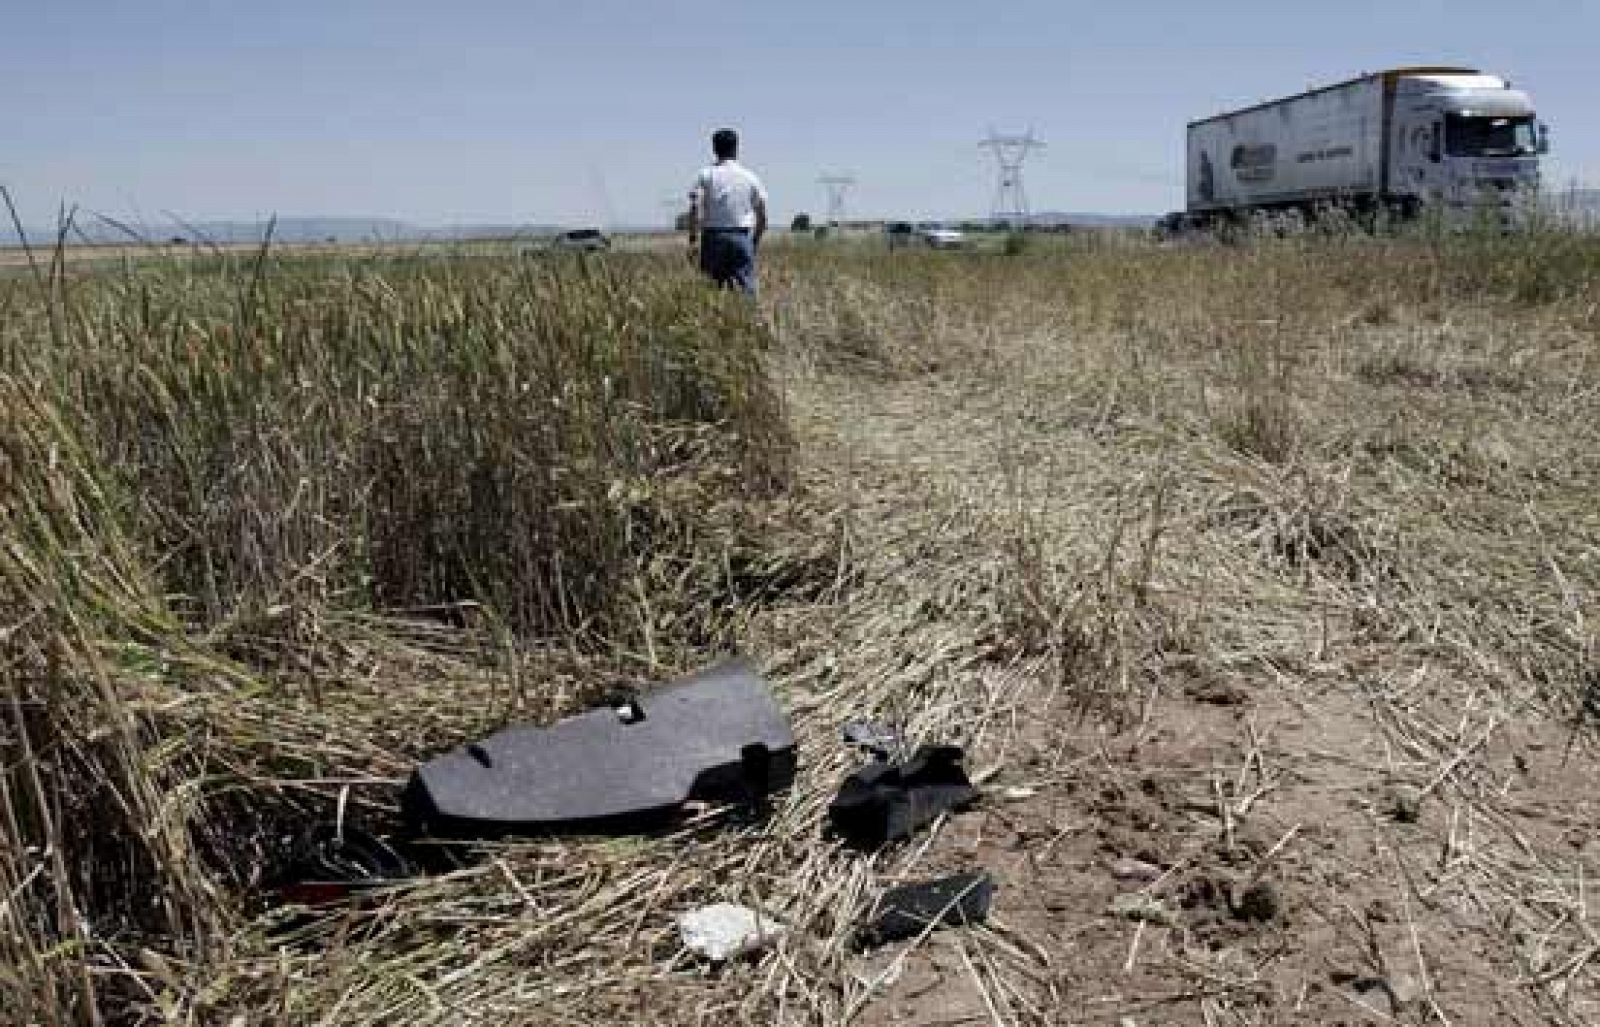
[761,217]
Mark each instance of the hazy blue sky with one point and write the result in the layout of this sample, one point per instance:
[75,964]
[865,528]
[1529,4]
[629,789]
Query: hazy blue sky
[596,110]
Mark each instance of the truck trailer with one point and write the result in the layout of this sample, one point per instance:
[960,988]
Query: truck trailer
[1400,141]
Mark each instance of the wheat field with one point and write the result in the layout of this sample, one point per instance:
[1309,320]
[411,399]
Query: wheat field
[1258,581]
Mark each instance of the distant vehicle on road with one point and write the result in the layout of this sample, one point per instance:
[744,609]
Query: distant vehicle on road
[583,240]
[941,238]
[899,233]
[1399,140]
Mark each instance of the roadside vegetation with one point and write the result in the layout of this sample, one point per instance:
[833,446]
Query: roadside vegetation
[1272,567]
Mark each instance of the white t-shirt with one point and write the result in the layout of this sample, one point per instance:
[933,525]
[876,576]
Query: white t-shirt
[727,194]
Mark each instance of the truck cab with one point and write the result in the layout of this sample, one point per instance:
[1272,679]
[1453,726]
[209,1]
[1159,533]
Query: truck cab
[1466,141]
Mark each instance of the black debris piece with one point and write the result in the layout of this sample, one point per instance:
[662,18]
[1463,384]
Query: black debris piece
[907,911]
[886,802]
[331,864]
[715,736]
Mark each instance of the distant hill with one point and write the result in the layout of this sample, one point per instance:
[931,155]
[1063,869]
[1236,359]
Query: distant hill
[300,230]
[284,230]
[1052,219]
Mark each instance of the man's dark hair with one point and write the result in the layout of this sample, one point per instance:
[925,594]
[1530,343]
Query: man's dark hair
[725,143]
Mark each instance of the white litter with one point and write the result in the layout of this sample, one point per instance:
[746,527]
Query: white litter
[1017,794]
[723,931]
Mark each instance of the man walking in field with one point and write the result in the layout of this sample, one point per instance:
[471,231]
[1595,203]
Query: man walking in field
[728,215]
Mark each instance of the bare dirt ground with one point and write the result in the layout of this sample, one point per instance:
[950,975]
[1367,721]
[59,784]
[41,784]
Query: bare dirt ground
[1306,816]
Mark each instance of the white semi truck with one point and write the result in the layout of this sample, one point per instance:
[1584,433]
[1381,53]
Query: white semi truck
[1399,141]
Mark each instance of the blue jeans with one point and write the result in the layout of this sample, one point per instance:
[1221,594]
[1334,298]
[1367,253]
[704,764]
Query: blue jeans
[728,257]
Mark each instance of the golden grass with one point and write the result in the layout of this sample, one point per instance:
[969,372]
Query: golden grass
[1026,495]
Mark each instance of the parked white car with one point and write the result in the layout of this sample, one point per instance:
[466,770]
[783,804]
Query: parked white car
[940,238]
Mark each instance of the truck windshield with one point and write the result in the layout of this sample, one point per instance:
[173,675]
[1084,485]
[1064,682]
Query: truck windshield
[1470,136]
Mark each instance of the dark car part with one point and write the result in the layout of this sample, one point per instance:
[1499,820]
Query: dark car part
[907,911]
[717,736]
[330,864]
[886,802]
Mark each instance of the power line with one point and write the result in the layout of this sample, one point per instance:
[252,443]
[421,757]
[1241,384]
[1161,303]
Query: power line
[1010,195]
